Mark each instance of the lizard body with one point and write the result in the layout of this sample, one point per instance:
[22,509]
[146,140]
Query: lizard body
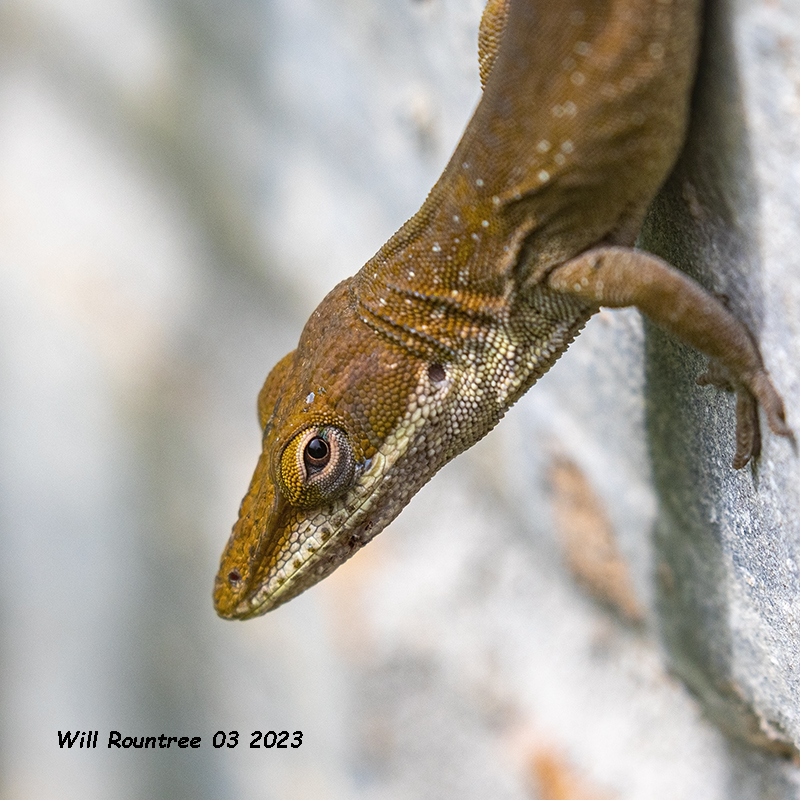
[526,234]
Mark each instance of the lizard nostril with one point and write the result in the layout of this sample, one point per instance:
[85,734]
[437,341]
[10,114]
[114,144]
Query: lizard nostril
[234,577]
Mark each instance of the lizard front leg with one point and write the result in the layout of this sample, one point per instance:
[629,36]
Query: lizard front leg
[618,277]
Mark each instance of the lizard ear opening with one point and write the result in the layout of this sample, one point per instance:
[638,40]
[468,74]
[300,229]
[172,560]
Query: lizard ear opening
[436,373]
[271,390]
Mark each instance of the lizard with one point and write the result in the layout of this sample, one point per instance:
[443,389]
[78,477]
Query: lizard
[528,232]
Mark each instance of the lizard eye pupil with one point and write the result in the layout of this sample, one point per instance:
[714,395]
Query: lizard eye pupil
[318,452]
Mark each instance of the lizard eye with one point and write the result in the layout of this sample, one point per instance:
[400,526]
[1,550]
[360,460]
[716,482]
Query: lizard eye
[316,466]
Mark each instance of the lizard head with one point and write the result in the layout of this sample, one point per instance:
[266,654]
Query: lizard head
[344,418]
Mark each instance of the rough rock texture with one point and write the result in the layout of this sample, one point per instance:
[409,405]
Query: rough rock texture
[589,605]
[727,543]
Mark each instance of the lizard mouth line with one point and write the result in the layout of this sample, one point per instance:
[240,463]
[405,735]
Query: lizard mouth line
[269,596]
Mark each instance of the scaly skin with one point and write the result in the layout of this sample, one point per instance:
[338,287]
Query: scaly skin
[526,234]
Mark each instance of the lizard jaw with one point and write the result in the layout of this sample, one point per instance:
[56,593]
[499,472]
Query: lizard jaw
[310,549]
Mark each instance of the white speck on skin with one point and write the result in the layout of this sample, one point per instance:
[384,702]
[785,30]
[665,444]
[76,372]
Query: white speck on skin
[567,146]
[496,200]
[456,218]
[543,146]
[436,248]
[310,398]
[485,223]
[578,78]
[479,182]
[544,175]
[560,159]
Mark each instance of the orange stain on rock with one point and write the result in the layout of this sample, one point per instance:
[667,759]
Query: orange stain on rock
[553,778]
[590,547]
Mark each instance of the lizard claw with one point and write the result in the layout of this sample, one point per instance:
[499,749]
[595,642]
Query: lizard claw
[771,402]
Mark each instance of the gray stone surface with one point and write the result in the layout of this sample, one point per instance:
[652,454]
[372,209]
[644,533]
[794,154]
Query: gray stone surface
[180,183]
[729,540]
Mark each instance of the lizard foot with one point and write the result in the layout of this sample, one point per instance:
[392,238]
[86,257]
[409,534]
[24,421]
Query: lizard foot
[757,391]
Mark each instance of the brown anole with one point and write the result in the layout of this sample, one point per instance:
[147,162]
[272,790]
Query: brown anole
[528,232]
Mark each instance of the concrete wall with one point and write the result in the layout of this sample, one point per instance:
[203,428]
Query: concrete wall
[588,605]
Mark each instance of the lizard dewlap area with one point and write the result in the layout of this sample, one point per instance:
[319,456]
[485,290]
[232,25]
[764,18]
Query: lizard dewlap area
[528,232]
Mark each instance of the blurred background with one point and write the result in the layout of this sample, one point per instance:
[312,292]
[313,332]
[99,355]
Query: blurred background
[181,182]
